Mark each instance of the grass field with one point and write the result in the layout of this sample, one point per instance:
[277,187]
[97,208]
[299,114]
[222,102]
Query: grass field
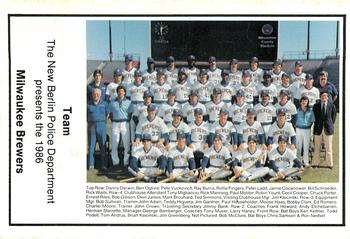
[310,175]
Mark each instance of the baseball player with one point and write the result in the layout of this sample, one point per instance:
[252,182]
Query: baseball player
[215,160]
[227,89]
[160,89]
[283,162]
[129,70]
[120,113]
[304,120]
[147,162]
[191,71]
[188,108]
[284,103]
[214,73]
[248,164]
[166,110]
[96,116]
[171,73]
[199,131]
[238,110]
[111,91]
[308,90]
[177,126]
[181,164]
[97,83]
[149,77]
[298,76]
[285,85]
[281,127]
[249,89]
[140,113]
[265,112]
[203,87]
[214,107]
[250,127]
[276,72]
[182,88]
[255,72]
[235,75]
[267,85]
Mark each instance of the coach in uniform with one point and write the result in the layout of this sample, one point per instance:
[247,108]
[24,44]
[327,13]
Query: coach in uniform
[111,92]
[129,70]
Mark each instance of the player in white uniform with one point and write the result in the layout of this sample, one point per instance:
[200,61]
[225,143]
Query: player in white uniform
[283,162]
[166,110]
[249,89]
[111,91]
[235,75]
[214,73]
[248,164]
[217,157]
[267,85]
[170,71]
[181,164]
[147,162]
[281,127]
[308,90]
[238,111]
[276,72]
[227,89]
[177,125]
[265,112]
[284,103]
[255,72]
[149,77]
[203,87]
[140,113]
[297,77]
[285,85]
[188,108]
[192,71]
[182,88]
[129,71]
[160,89]
[214,107]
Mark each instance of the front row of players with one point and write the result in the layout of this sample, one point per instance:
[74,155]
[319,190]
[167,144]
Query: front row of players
[148,162]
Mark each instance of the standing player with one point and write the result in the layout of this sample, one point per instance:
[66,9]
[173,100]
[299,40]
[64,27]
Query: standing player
[111,91]
[214,73]
[308,90]
[235,75]
[265,112]
[298,76]
[160,89]
[283,162]
[255,72]
[286,104]
[97,83]
[214,107]
[203,87]
[227,89]
[166,110]
[129,70]
[182,88]
[191,71]
[147,162]
[285,85]
[188,108]
[170,71]
[249,89]
[238,111]
[177,126]
[267,85]
[149,77]
[276,72]
[140,113]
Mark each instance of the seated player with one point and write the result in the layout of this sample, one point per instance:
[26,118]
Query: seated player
[147,162]
[181,164]
[283,162]
[248,164]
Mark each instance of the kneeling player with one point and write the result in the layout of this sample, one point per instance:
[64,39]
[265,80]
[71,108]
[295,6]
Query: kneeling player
[283,162]
[181,165]
[217,157]
[147,162]
[248,164]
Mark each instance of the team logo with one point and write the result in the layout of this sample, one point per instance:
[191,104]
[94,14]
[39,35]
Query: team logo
[267,29]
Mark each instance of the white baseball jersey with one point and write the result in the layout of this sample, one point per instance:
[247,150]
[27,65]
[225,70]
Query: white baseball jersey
[171,76]
[282,159]
[256,76]
[271,89]
[225,130]
[290,107]
[276,77]
[181,157]
[289,88]
[140,112]
[313,94]
[199,133]
[218,158]
[250,91]
[148,158]
[155,128]
[160,92]
[248,159]
[300,79]
[245,129]
[149,78]
[214,76]
[275,131]
[213,110]
[188,111]
[238,113]
[265,113]
[235,77]
[135,92]
[204,91]
[174,129]
[112,90]
[166,110]
[128,76]
[182,91]
[227,92]
[192,75]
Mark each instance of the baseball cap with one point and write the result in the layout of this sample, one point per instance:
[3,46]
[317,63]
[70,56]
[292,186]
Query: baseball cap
[128,57]
[251,111]
[160,72]
[285,92]
[211,59]
[217,136]
[277,62]
[285,75]
[117,72]
[234,61]
[182,71]
[194,92]
[198,111]
[216,91]
[245,73]
[252,137]
[180,134]
[203,71]
[267,75]
[172,92]
[298,63]
[225,111]
[170,58]
[240,92]
[151,107]
[176,112]
[281,111]
[138,73]
[150,60]
[264,92]
[147,93]
[146,136]
[225,72]
[309,77]
[325,73]
[282,138]
[254,59]
[191,58]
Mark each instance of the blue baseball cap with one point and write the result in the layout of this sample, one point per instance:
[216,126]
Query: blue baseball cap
[309,77]
[225,111]
[128,57]
[198,111]
[151,107]
[267,76]
[264,92]
[170,58]
[285,92]
[172,92]
[203,71]
[150,60]
[176,112]
[194,92]
[191,58]
[211,59]
[298,63]
[252,137]
[225,72]
[182,71]
[277,62]
[180,134]
[146,136]
[160,72]
[216,90]
[246,73]
[285,75]
[282,138]
[147,93]
[138,73]
[217,136]
[281,111]
[254,59]
[240,92]
[117,72]
[251,111]
[234,61]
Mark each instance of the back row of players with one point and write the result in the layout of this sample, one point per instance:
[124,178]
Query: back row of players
[166,102]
